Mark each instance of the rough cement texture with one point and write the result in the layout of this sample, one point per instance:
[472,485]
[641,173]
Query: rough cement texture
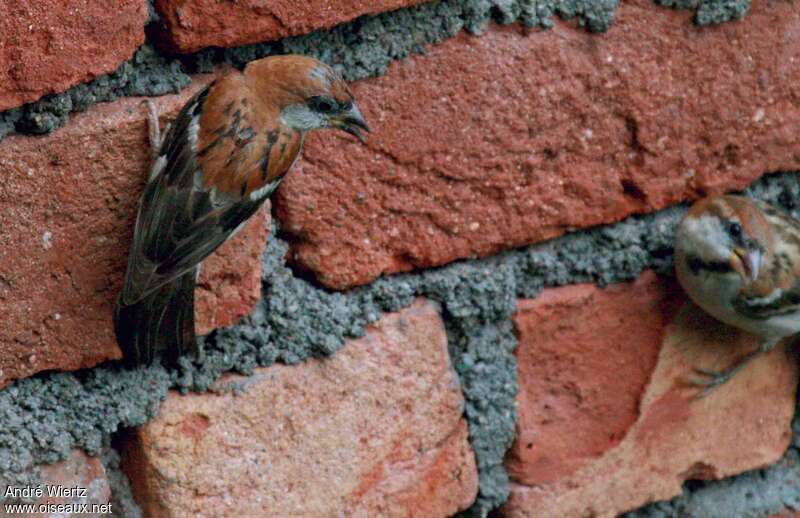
[361,48]
[47,416]
[365,47]
[712,11]
[146,73]
[483,355]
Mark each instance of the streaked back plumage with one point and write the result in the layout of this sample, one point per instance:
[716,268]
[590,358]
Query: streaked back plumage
[226,152]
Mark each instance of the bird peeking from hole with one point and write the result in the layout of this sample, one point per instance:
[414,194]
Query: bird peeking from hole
[224,154]
[739,260]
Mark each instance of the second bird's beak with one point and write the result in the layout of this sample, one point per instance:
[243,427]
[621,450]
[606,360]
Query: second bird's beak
[352,122]
[746,263]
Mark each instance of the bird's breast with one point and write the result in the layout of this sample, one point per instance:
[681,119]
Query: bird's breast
[242,148]
[248,163]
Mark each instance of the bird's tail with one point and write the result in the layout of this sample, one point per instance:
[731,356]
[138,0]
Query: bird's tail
[161,325]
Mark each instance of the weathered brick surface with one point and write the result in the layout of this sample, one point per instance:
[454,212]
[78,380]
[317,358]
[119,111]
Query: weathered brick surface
[47,46]
[607,421]
[585,358]
[78,470]
[513,137]
[230,280]
[190,25]
[67,206]
[375,430]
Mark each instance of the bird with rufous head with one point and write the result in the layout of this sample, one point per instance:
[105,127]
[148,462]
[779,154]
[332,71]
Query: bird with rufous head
[222,157]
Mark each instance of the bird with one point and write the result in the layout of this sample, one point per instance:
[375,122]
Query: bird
[224,154]
[739,260]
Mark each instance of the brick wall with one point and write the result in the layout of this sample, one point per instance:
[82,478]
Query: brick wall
[473,311]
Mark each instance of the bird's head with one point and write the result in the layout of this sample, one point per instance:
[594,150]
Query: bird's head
[724,235]
[308,93]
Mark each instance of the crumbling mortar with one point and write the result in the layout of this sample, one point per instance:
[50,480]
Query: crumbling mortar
[46,416]
[710,12]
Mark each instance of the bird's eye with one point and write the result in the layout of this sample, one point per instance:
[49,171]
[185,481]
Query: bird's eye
[735,230]
[323,104]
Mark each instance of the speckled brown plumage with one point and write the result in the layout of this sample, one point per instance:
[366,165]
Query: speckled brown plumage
[225,153]
[739,259]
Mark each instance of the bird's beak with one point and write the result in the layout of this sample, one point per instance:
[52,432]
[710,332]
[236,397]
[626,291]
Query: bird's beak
[746,263]
[352,122]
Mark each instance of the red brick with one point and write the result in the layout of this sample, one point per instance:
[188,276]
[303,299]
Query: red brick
[67,208]
[375,430]
[230,280]
[48,45]
[607,421]
[586,356]
[191,25]
[78,470]
[491,142]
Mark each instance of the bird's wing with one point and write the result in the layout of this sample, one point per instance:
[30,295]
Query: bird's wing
[184,214]
[777,291]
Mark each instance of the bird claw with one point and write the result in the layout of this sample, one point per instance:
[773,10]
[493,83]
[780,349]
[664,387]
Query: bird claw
[153,127]
[708,372]
[717,378]
[712,379]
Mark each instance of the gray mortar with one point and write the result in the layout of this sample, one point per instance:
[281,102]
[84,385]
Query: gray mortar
[146,73]
[483,355]
[43,418]
[712,11]
[46,416]
[362,48]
